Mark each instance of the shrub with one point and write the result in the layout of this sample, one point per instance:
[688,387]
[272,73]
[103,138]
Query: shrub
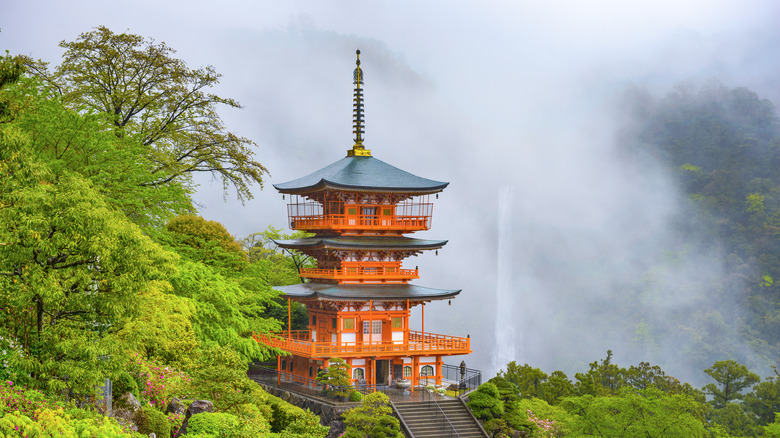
[355,396]
[305,427]
[336,378]
[485,402]
[283,413]
[151,420]
[124,383]
[217,424]
[373,418]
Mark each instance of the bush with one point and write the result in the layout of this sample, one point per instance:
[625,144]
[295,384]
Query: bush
[151,420]
[336,379]
[218,424]
[373,418]
[485,402]
[305,427]
[355,396]
[124,383]
[283,413]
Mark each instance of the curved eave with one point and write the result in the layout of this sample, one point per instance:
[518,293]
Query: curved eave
[347,292]
[367,174]
[323,185]
[387,243]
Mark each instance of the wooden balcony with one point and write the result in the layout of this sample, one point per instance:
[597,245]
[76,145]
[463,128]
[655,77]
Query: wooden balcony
[360,222]
[363,274]
[299,342]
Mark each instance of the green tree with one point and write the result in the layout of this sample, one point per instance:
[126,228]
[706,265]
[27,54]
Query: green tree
[81,143]
[557,387]
[732,378]
[159,101]
[764,401]
[528,379]
[70,269]
[208,242]
[336,378]
[646,413]
[373,418]
[225,313]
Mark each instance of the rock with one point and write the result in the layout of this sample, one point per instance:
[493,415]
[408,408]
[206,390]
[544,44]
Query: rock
[175,406]
[199,406]
[126,407]
[336,429]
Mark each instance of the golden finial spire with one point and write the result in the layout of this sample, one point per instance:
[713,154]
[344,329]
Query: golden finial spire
[358,149]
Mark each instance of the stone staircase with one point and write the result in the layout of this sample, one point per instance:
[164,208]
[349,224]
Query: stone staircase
[423,422]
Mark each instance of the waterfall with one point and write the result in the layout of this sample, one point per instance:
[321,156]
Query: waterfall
[505,315]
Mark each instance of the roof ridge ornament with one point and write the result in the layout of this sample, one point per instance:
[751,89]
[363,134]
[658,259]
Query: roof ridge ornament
[358,150]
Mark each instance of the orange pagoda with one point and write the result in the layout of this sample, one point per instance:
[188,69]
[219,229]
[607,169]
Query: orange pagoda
[359,297]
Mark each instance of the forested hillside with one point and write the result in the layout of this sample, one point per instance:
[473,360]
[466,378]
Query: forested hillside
[722,147]
[106,271]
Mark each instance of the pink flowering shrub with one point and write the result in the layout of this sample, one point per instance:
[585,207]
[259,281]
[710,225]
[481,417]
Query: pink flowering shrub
[547,428]
[160,383]
[18,398]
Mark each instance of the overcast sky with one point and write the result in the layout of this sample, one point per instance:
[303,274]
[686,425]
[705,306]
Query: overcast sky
[488,95]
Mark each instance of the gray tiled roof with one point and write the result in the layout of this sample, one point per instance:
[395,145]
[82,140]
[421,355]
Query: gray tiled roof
[379,292]
[362,242]
[367,173]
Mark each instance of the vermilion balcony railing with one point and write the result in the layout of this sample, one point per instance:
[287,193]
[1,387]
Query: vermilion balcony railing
[360,222]
[426,343]
[413,214]
[363,274]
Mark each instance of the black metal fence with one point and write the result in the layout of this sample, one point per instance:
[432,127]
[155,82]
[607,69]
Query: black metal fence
[465,379]
[468,379]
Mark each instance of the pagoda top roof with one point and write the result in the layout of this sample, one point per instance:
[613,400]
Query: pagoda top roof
[378,292]
[362,173]
[362,243]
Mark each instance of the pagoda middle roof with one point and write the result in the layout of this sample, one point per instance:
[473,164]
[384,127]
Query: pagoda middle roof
[379,292]
[362,243]
[362,173]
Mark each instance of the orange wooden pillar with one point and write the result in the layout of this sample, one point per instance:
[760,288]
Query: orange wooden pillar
[279,370]
[438,370]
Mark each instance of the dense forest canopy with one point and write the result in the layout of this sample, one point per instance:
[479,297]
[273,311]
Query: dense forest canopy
[722,146]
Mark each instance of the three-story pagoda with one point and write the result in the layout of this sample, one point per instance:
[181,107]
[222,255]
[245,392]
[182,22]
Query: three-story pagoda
[359,297]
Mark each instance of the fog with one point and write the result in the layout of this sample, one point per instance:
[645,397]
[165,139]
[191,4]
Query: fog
[515,96]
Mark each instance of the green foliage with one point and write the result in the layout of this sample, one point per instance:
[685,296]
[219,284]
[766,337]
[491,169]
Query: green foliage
[307,426]
[124,383]
[221,377]
[529,380]
[732,378]
[70,267]
[155,99]
[649,413]
[283,414]
[54,422]
[355,396]
[336,378]
[214,423]
[486,402]
[764,401]
[725,145]
[150,420]
[226,314]
[372,418]
[208,242]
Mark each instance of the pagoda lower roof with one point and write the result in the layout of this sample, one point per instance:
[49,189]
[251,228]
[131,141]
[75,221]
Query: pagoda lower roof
[377,292]
[362,173]
[362,243]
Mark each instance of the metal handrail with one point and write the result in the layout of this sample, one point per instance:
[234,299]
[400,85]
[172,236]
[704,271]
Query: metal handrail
[439,412]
